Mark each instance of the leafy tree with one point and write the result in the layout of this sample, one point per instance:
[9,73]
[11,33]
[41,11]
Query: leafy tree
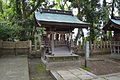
[20,12]
[58,4]
[8,32]
[61,5]
[1,9]
[118,6]
[104,18]
[90,11]
[80,31]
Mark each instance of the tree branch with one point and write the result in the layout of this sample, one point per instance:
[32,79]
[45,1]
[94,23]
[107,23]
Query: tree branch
[37,5]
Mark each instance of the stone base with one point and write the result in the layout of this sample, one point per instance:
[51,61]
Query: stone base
[55,65]
[61,58]
[8,51]
[115,56]
[52,62]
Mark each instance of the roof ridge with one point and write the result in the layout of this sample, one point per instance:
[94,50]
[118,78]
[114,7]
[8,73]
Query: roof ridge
[116,18]
[54,11]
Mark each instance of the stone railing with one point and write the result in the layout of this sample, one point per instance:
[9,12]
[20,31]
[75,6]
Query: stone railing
[15,48]
[97,47]
[115,50]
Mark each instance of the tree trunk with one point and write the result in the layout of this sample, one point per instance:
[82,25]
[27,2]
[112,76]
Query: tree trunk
[112,12]
[80,31]
[104,33]
[77,36]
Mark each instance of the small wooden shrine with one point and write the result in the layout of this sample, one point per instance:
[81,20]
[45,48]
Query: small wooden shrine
[58,41]
[114,25]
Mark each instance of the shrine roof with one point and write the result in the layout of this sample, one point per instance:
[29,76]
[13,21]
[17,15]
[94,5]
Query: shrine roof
[59,17]
[115,21]
[112,24]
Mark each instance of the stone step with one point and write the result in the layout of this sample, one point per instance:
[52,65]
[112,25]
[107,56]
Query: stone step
[72,74]
[61,58]
[56,76]
[54,65]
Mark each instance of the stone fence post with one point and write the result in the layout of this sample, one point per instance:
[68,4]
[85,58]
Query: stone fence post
[87,53]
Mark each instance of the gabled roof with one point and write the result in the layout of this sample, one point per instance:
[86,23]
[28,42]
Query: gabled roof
[115,21]
[112,24]
[59,17]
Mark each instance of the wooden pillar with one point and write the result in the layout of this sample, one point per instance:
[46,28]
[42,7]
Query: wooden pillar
[57,37]
[71,40]
[67,37]
[71,43]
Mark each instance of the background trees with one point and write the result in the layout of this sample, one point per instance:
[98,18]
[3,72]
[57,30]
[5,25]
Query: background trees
[20,13]
[89,11]
[96,12]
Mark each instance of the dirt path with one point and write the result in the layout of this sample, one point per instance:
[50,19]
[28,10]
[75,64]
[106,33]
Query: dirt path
[37,70]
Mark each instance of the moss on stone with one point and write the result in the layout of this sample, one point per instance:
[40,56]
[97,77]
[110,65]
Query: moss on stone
[87,69]
[41,68]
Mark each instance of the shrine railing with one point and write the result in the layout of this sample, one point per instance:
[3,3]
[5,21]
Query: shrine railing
[115,49]
[96,47]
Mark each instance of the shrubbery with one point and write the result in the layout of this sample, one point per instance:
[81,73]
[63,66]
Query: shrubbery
[8,32]
[14,32]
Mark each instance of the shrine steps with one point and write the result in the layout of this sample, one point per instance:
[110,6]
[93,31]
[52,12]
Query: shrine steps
[52,62]
[61,58]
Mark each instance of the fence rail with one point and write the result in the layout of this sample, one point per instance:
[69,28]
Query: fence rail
[96,47]
[115,50]
[15,48]
[24,47]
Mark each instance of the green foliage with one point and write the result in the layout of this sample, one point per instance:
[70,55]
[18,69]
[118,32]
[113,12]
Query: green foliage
[95,13]
[89,10]
[14,32]
[1,18]
[28,33]
[9,32]
[1,8]
[41,30]
[20,13]
[58,4]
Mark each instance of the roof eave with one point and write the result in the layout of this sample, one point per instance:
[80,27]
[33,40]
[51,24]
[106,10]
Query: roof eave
[107,26]
[75,25]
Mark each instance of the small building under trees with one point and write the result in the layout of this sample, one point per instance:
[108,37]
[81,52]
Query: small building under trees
[114,25]
[58,24]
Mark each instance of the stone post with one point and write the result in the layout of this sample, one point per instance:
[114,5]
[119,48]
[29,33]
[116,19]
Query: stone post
[35,41]
[87,53]
[52,43]
[40,42]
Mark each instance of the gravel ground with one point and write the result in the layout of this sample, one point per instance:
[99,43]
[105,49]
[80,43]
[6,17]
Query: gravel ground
[37,70]
[102,64]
